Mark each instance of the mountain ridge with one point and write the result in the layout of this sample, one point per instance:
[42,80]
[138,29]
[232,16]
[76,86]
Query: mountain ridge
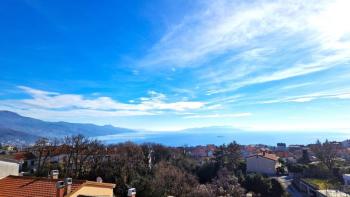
[36,127]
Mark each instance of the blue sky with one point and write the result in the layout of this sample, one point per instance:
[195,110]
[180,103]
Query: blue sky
[169,65]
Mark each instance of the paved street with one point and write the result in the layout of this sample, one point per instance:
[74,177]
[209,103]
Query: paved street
[287,184]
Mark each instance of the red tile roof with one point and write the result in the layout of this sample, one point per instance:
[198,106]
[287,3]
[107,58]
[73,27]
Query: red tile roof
[266,155]
[20,186]
[24,156]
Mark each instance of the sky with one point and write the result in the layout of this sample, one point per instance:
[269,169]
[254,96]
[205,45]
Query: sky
[165,65]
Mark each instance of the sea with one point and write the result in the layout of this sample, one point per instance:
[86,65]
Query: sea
[194,137]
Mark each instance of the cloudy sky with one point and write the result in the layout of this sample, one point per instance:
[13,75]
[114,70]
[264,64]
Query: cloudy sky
[168,65]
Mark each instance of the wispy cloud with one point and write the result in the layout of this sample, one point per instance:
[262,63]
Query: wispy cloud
[74,104]
[219,62]
[295,86]
[309,97]
[223,115]
[242,35]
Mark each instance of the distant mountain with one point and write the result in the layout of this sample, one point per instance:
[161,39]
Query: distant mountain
[9,136]
[25,126]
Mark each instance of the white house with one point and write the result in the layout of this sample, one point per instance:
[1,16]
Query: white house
[346,143]
[346,178]
[8,167]
[263,163]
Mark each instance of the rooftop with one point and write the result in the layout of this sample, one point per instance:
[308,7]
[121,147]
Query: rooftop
[333,193]
[5,159]
[265,155]
[24,156]
[20,186]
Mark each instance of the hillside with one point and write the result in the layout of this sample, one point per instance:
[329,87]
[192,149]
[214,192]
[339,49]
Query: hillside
[29,128]
[9,136]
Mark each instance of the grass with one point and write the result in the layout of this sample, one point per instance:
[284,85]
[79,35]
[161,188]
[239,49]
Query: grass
[322,183]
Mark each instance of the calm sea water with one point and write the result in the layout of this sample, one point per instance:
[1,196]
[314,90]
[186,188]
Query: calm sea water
[192,138]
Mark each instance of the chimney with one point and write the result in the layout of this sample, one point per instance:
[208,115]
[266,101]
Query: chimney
[99,180]
[60,189]
[132,192]
[68,182]
[54,174]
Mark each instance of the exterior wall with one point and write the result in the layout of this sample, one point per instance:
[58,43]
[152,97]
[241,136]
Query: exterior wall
[261,165]
[346,143]
[27,165]
[346,178]
[8,168]
[93,191]
[331,193]
[59,158]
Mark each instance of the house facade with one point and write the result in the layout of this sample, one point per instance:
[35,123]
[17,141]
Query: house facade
[263,163]
[8,167]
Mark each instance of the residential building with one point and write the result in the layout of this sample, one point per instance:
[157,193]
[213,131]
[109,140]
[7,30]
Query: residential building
[202,151]
[346,143]
[346,178]
[21,186]
[248,150]
[9,148]
[281,147]
[264,163]
[294,147]
[27,161]
[8,167]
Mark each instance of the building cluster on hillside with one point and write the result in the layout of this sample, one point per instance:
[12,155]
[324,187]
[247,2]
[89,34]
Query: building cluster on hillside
[203,152]
[17,167]
[16,178]
[273,160]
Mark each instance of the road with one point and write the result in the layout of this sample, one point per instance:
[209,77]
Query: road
[287,184]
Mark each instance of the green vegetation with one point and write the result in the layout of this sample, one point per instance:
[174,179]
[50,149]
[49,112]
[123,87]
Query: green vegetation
[264,186]
[323,183]
[319,183]
[153,169]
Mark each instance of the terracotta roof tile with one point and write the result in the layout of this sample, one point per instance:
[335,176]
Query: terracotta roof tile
[266,155]
[24,156]
[20,186]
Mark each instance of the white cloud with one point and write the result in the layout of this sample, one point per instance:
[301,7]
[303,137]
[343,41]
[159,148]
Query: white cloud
[215,106]
[310,97]
[322,63]
[72,104]
[235,115]
[295,86]
[223,25]
[343,96]
[243,33]
[36,92]
[219,27]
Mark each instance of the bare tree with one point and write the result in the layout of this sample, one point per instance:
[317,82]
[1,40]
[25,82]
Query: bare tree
[172,181]
[43,149]
[226,184]
[39,150]
[326,152]
[67,149]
